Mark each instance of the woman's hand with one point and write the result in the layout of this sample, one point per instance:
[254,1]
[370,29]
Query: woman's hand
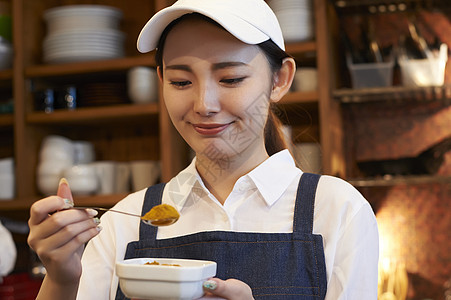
[58,235]
[231,289]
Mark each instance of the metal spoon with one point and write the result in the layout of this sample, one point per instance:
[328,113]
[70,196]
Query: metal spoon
[145,219]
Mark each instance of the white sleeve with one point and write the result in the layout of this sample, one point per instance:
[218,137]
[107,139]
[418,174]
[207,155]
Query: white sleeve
[98,280]
[355,268]
[8,252]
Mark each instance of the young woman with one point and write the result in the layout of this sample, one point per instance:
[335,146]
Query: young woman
[275,232]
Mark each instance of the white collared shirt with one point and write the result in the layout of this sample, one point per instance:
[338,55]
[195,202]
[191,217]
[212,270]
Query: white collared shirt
[261,201]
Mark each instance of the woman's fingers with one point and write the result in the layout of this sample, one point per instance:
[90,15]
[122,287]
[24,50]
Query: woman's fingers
[232,289]
[64,190]
[41,209]
[67,232]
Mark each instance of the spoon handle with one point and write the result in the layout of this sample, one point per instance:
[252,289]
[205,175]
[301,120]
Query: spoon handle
[106,209]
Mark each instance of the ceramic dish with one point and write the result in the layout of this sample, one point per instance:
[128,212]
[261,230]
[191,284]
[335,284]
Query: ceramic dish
[170,279]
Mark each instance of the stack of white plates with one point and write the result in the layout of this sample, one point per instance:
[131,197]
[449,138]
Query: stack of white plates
[82,32]
[295,18]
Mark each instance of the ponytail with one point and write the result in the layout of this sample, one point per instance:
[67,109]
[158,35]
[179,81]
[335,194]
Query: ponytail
[274,136]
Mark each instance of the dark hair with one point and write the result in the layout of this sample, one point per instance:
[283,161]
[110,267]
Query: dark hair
[274,137]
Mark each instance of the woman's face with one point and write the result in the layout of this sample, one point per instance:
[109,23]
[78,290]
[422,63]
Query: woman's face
[216,89]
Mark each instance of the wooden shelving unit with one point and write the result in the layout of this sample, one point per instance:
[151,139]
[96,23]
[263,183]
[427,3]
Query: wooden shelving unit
[119,113]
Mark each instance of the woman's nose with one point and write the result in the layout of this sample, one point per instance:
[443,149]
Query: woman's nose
[207,101]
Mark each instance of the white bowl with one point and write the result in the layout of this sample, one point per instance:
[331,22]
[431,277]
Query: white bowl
[142,84]
[48,183]
[52,167]
[6,54]
[82,179]
[7,185]
[84,152]
[57,141]
[57,154]
[7,166]
[138,280]
[306,79]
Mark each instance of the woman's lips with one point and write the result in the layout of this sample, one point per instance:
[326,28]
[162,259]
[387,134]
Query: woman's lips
[210,129]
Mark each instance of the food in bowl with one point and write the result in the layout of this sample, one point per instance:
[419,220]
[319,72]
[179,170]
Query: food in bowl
[155,263]
[163,279]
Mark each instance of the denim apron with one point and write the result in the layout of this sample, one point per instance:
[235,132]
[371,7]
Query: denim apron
[274,265]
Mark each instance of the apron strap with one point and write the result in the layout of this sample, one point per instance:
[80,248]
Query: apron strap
[305,203]
[153,197]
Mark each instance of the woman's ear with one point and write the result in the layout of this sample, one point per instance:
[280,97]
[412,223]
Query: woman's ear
[283,79]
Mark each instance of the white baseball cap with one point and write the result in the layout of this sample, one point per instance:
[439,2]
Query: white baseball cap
[251,21]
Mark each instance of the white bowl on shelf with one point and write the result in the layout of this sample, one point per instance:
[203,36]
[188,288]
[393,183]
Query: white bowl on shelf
[142,85]
[48,183]
[6,54]
[141,281]
[67,17]
[7,165]
[82,179]
[7,186]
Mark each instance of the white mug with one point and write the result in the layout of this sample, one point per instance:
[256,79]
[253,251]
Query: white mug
[123,175]
[306,80]
[83,152]
[144,173]
[106,175]
[82,179]
[142,85]
[7,186]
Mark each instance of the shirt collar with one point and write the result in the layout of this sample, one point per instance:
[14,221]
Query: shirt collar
[274,175]
[271,178]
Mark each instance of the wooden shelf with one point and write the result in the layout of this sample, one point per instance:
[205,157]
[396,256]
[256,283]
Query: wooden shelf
[394,94]
[300,97]
[6,75]
[388,181]
[94,114]
[301,47]
[99,66]
[92,201]
[6,120]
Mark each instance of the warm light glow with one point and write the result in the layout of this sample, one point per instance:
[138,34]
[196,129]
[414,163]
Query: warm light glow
[387,241]
[392,281]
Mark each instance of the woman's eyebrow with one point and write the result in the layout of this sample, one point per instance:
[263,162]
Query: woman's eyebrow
[228,64]
[214,67]
[179,67]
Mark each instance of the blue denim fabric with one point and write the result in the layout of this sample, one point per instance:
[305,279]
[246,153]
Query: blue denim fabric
[274,265]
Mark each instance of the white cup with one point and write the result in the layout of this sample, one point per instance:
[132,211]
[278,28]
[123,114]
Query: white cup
[7,186]
[306,80]
[144,173]
[57,148]
[142,84]
[7,166]
[83,152]
[308,157]
[48,183]
[106,176]
[57,141]
[82,179]
[123,175]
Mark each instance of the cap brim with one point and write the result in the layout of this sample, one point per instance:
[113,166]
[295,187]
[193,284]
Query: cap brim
[150,34]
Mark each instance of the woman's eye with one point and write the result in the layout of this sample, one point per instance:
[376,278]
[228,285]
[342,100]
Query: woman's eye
[180,83]
[233,80]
